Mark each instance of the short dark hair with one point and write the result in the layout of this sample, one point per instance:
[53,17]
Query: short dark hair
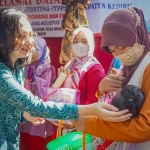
[130,97]
[9,30]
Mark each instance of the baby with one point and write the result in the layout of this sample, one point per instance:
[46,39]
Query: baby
[130,97]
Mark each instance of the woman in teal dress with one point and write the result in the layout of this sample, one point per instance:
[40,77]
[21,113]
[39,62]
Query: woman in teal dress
[16,48]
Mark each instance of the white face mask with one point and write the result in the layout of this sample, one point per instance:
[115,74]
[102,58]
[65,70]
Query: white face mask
[130,57]
[80,49]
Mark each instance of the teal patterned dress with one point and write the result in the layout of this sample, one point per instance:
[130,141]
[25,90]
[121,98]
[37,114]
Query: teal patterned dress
[15,99]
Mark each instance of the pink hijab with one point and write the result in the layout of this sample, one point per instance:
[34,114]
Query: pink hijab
[120,28]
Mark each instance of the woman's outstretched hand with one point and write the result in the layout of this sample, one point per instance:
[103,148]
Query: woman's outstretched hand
[109,112]
[104,111]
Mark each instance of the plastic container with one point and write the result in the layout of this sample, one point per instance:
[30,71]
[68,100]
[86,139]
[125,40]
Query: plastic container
[63,95]
[70,141]
[68,81]
[60,80]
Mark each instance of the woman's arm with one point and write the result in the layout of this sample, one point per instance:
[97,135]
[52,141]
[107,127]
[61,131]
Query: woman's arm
[102,110]
[14,94]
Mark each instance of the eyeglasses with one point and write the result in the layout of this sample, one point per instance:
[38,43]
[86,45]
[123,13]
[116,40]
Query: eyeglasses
[26,36]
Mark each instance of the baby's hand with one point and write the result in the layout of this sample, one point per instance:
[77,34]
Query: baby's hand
[34,120]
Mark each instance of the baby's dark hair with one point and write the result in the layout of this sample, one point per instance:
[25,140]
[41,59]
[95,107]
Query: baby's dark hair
[130,97]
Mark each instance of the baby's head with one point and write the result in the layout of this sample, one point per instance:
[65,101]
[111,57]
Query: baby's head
[131,98]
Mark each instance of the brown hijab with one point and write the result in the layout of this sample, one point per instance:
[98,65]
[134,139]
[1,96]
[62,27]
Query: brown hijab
[120,28]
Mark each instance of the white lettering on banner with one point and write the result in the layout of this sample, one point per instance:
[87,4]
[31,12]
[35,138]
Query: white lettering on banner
[47,15]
